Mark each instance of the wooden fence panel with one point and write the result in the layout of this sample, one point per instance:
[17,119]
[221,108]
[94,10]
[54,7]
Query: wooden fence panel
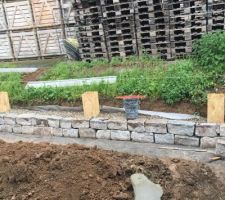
[3,25]
[51,42]
[46,12]
[18,15]
[5,49]
[24,44]
[68,11]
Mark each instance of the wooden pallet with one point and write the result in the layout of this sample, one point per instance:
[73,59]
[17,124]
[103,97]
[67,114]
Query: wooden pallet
[5,49]
[51,42]
[3,25]
[24,44]
[18,15]
[46,13]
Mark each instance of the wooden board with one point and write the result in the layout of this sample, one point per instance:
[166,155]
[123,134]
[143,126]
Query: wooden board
[24,44]
[51,42]
[68,11]
[3,25]
[5,49]
[46,12]
[215,108]
[18,15]
[4,102]
[90,104]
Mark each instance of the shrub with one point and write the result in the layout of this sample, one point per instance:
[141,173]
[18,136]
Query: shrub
[183,82]
[209,52]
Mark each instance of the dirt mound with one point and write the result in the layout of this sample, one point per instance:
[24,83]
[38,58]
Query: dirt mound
[72,172]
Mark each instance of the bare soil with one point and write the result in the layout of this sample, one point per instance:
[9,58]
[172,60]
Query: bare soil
[35,75]
[74,172]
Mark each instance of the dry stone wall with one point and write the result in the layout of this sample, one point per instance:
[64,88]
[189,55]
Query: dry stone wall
[158,131]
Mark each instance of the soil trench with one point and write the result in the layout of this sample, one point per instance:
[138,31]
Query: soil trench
[75,172]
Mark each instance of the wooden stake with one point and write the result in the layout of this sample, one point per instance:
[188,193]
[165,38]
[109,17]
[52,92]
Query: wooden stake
[215,111]
[90,104]
[4,102]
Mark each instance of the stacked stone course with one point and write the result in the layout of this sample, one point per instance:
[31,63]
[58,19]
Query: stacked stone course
[158,131]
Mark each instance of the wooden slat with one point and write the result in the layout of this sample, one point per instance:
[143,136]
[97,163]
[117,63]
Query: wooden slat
[90,104]
[46,12]
[215,108]
[68,11]
[18,14]
[51,42]
[3,25]
[24,44]
[5,49]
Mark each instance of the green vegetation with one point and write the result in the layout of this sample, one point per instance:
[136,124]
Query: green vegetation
[71,69]
[12,83]
[209,52]
[183,80]
[7,65]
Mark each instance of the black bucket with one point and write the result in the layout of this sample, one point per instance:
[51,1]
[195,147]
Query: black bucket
[131,107]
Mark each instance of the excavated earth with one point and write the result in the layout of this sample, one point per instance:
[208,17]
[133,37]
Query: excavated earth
[74,172]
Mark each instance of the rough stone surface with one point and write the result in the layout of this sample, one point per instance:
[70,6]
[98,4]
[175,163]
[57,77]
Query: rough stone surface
[120,135]
[57,131]
[39,120]
[186,140]
[142,137]
[117,125]
[103,134]
[98,123]
[208,142]
[42,130]
[17,129]
[156,126]
[222,130]
[6,128]
[27,129]
[164,138]
[66,123]
[87,133]
[80,123]
[181,127]
[24,119]
[220,147]
[136,125]
[73,133]
[207,130]
[1,120]
[54,121]
[10,120]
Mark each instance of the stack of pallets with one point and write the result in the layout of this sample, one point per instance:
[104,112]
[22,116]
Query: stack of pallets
[166,28]
[89,30]
[216,15]
[144,18]
[119,26]
[187,23]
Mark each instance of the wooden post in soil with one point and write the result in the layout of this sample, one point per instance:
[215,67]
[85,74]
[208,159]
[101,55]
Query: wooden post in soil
[4,102]
[215,110]
[90,102]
